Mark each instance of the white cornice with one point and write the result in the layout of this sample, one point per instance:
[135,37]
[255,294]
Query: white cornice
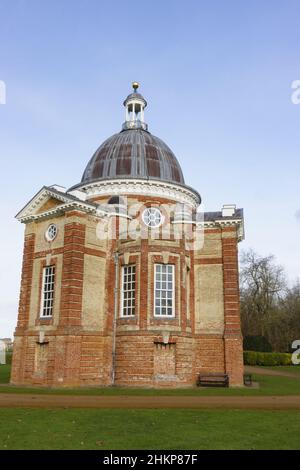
[116,187]
[140,187]
[221,223]
[29,212]
[57,211]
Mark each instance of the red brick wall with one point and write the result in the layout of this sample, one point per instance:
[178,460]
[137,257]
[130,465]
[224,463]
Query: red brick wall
[18,361]
[209,355]
[79,357]
[26,281]
[72,275]
[137,360]
[233,344]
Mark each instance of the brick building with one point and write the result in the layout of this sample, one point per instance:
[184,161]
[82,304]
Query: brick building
[124,280]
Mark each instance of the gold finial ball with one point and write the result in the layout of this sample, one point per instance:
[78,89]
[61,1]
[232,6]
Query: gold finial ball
[135,85]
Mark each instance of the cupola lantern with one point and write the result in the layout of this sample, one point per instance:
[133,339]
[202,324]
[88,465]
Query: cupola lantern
[135,105]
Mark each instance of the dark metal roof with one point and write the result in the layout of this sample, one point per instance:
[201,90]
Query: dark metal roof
[212,216]
[135,96]
[133,153]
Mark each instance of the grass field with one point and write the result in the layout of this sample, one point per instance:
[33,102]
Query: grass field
[148,429]
[268,386]
[110,429]
[291,369]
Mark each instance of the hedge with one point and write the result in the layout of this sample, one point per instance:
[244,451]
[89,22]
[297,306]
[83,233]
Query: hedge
[255,358]
[257,343]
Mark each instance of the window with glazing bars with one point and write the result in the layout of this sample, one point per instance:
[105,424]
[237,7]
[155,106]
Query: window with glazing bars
[47,297]
[128,291]
[164,299]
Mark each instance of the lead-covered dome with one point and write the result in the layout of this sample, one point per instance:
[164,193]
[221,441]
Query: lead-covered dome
[134,152]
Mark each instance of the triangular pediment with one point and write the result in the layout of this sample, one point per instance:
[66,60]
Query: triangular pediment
[49,204]
[49,201]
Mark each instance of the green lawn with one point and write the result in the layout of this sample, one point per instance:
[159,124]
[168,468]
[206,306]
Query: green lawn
[110,429]
[268,385]
[291,369]
[148,429]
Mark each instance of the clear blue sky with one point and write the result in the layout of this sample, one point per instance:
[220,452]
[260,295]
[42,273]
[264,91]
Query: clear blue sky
[217,76]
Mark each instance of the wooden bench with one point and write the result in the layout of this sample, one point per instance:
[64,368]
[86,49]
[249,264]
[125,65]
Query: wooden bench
[213,380]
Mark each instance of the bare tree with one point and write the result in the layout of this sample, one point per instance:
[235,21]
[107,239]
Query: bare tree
[263,285]
[287,328]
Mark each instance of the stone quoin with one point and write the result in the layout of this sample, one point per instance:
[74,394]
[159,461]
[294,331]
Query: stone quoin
[124,280]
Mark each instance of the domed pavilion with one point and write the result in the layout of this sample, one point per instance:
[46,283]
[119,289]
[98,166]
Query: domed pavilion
[125,281]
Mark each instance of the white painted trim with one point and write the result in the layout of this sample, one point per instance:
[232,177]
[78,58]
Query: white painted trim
[57,187]
[239,223]
[47,236]
[157,211]
[45,193]
[173,292]
[42,293]
[122,291]
[141,187]
[59,210]
[191,222]
[78,194]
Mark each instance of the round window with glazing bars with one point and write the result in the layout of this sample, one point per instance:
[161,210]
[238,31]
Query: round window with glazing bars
[152,217]
[51,232]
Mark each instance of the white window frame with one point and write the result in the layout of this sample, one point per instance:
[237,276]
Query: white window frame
[44,309]
[152,217]
[122,303]
[161,315]
[51,233]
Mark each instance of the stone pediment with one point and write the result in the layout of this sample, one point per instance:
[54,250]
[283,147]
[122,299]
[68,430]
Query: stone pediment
[53,200]
[50,204]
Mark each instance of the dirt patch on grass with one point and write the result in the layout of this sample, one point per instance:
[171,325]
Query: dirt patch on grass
[270,372]
[123,401]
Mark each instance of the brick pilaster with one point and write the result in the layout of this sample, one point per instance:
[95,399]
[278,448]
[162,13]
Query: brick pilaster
[26,282]
[182,273]
[110,276]
[72,275]
[19,355]
[233,344]
[144,285]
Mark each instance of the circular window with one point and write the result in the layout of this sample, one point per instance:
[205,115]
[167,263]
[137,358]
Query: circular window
[152,217]
[51,232]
